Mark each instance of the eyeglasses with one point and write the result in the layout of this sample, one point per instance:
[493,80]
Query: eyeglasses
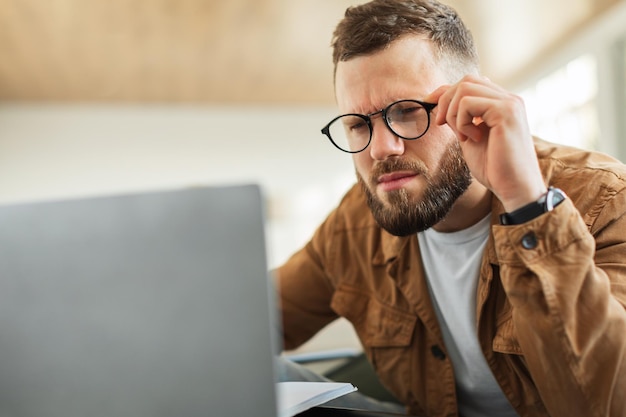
[407,119]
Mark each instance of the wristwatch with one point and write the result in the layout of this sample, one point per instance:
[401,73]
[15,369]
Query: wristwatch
[547,202]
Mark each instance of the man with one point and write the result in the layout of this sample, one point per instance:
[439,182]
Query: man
[483,270]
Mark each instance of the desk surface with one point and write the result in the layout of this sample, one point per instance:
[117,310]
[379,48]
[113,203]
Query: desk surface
[340,412]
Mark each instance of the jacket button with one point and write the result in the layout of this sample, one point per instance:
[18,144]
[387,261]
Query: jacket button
[437,352]
[529,240]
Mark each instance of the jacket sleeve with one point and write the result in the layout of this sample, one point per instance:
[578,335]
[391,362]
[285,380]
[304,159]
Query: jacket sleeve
[565,276]
[304,289]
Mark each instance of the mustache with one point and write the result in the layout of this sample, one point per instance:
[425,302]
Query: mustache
[389,166]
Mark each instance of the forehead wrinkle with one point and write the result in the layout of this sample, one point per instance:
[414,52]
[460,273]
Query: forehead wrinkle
[383,103]
[375,104]
[366,84]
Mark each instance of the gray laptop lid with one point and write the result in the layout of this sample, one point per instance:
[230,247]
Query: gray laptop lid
[153,304]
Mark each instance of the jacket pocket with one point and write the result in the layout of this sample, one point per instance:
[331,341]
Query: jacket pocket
[386,334]
[377,324]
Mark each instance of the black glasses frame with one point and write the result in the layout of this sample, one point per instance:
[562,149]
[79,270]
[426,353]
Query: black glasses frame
[368,119]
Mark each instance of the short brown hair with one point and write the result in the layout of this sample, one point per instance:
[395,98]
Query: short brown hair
[370,27]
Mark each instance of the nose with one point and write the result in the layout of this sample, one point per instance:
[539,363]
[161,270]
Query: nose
[385,143]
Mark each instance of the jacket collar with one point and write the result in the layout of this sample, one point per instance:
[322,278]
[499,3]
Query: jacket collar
[390,248]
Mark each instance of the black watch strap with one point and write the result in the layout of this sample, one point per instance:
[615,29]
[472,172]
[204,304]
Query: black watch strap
[552,198]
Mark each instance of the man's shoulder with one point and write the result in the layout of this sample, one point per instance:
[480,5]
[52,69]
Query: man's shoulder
[591,179]
[569,166]
[557,159]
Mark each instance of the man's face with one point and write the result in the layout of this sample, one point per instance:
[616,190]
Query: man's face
[410,185]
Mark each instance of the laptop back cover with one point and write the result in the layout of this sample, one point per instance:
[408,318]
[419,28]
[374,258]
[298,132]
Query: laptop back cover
[152,304]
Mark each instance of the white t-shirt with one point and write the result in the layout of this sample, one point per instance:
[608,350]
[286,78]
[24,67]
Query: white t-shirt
[452,263]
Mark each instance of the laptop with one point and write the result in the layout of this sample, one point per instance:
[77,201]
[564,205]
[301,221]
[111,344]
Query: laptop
[147,304]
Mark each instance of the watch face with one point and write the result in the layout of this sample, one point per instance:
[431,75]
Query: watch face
[555,196]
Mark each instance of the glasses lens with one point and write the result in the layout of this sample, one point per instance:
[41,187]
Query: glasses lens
[350,133]
[408,119]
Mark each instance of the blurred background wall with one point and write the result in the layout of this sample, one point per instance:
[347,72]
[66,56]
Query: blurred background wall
[107,96]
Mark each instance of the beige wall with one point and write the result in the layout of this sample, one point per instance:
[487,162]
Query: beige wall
[58,151]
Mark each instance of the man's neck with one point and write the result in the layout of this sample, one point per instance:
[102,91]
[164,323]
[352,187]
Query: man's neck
[468,210]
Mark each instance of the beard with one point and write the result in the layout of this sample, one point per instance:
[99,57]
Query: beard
[405,215]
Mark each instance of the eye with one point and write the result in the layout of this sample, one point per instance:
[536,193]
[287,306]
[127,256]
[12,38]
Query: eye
[405,111]
[354,125]
[358,126]
[409,110]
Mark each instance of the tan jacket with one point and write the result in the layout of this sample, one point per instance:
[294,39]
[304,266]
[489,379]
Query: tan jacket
[551,319]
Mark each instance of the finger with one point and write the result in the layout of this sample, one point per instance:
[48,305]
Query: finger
[469,117]
[435,97]
[467,90]
[469,105]
[482,80]
[474,132]
[453,126]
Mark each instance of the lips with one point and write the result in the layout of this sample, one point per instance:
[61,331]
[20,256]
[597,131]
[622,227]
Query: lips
[395,180]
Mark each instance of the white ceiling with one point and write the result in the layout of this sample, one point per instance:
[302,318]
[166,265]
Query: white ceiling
[236,51]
